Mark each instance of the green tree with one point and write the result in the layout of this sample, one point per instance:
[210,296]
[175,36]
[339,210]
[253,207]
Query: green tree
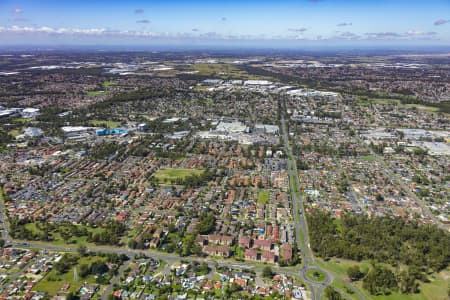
[332,294]
[380,281]
[354,273]
[82,250]
[84,270]
[267,272]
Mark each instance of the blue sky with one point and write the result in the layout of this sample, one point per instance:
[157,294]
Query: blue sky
[300,22]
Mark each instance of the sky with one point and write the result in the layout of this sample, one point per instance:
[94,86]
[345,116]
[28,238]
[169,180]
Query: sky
[275,23]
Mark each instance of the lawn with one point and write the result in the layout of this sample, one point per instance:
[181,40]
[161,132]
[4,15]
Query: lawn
[263,197]
[53,282]
[340,266]
[168,175]
[385,101]
[369,158]
[33,228]
[342,287]
[20,120]
[58,240]
[315,275]
[108,84]
[104,123]
[2,196]
[94,93]
[422,107]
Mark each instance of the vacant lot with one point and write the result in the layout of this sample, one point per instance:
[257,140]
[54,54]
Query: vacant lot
[168,175]
[263,197]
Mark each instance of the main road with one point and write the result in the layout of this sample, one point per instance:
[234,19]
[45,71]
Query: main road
[300,224]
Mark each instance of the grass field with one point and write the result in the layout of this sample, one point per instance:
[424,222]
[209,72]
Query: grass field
[109,124]
[53,282]
[94,93]
[59,241]
[164,175]
[340,266]
[20,120]
[422,107]
[369,158]
[263,197]
[108,84]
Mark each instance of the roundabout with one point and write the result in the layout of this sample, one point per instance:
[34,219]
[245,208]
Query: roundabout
[316,275]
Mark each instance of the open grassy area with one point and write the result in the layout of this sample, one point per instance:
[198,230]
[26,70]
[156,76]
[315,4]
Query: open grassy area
[167,175]
[436,289]
[315,275]
[59,241]
[263,197]
[422,107]
[104,123]
[20,120]
[53,282]
[108,84]
[340,266]
[385,101]
[94,93]
[341,286]
[369,158]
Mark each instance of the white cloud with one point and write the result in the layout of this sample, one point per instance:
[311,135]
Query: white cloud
[409,35]
[296,34]
[299,30]
[143,21]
